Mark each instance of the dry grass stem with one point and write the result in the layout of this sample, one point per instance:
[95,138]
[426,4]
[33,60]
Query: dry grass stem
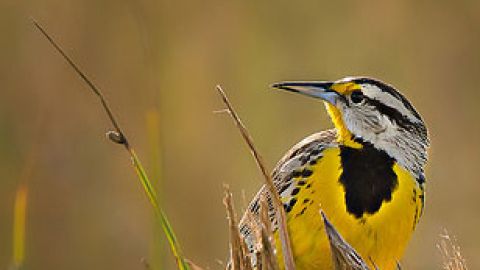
[265,257]
[283,232]
[343,255]
[121,138]
[238,250]
[451,255]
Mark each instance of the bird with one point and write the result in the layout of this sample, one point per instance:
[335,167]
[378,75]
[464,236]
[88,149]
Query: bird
[366,174]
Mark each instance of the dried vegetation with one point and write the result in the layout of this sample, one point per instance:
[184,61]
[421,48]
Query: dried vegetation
[343,255]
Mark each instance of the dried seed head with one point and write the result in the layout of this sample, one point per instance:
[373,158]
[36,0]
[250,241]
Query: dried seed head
[116,137]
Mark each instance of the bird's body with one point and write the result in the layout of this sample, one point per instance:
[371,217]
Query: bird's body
[367,179]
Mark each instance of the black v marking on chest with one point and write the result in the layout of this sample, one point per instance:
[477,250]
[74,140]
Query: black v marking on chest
[367,177]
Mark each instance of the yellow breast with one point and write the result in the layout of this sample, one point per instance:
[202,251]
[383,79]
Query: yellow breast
[379,237]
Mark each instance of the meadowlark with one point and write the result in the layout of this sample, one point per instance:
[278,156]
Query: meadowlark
[366,174]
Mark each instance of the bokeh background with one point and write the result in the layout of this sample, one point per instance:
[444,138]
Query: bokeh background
[158,62]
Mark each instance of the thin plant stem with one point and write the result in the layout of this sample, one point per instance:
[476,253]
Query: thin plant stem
[118,136]
[280,212]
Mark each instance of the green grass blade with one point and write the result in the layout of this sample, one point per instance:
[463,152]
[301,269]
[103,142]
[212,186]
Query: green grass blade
[159,214]
[19,222]
[119,137]
[158,246]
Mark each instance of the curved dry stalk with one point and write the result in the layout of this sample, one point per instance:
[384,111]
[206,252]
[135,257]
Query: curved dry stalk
[283,232]
[238,249]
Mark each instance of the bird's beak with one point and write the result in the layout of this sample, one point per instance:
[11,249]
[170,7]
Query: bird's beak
[321,90]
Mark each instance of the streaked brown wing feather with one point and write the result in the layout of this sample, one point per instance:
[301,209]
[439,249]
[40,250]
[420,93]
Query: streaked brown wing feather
[295,159]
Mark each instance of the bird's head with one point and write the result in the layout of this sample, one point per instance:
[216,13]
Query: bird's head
[368,110]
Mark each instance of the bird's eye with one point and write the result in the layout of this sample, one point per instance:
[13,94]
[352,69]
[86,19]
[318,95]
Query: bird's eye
[357,97]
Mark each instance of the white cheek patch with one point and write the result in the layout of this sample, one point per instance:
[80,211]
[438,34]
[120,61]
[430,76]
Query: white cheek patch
[389,129]
[366,127]
[374,92]
[369,124]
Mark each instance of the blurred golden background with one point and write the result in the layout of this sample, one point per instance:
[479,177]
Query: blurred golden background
[158,62]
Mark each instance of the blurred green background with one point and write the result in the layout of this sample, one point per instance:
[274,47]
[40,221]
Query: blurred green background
[158,63]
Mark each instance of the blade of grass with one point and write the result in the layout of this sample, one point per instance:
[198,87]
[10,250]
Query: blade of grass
[21,202]
[282,219]
[119,137]
[152,121]
[152,196]
[19,221]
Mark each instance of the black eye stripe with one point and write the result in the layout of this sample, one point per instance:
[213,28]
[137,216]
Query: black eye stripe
[390,90]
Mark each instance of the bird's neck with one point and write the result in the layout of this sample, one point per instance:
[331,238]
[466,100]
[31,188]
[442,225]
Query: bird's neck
[408,148]
[344,136]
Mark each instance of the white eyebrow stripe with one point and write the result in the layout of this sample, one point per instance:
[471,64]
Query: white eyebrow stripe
[386,98]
